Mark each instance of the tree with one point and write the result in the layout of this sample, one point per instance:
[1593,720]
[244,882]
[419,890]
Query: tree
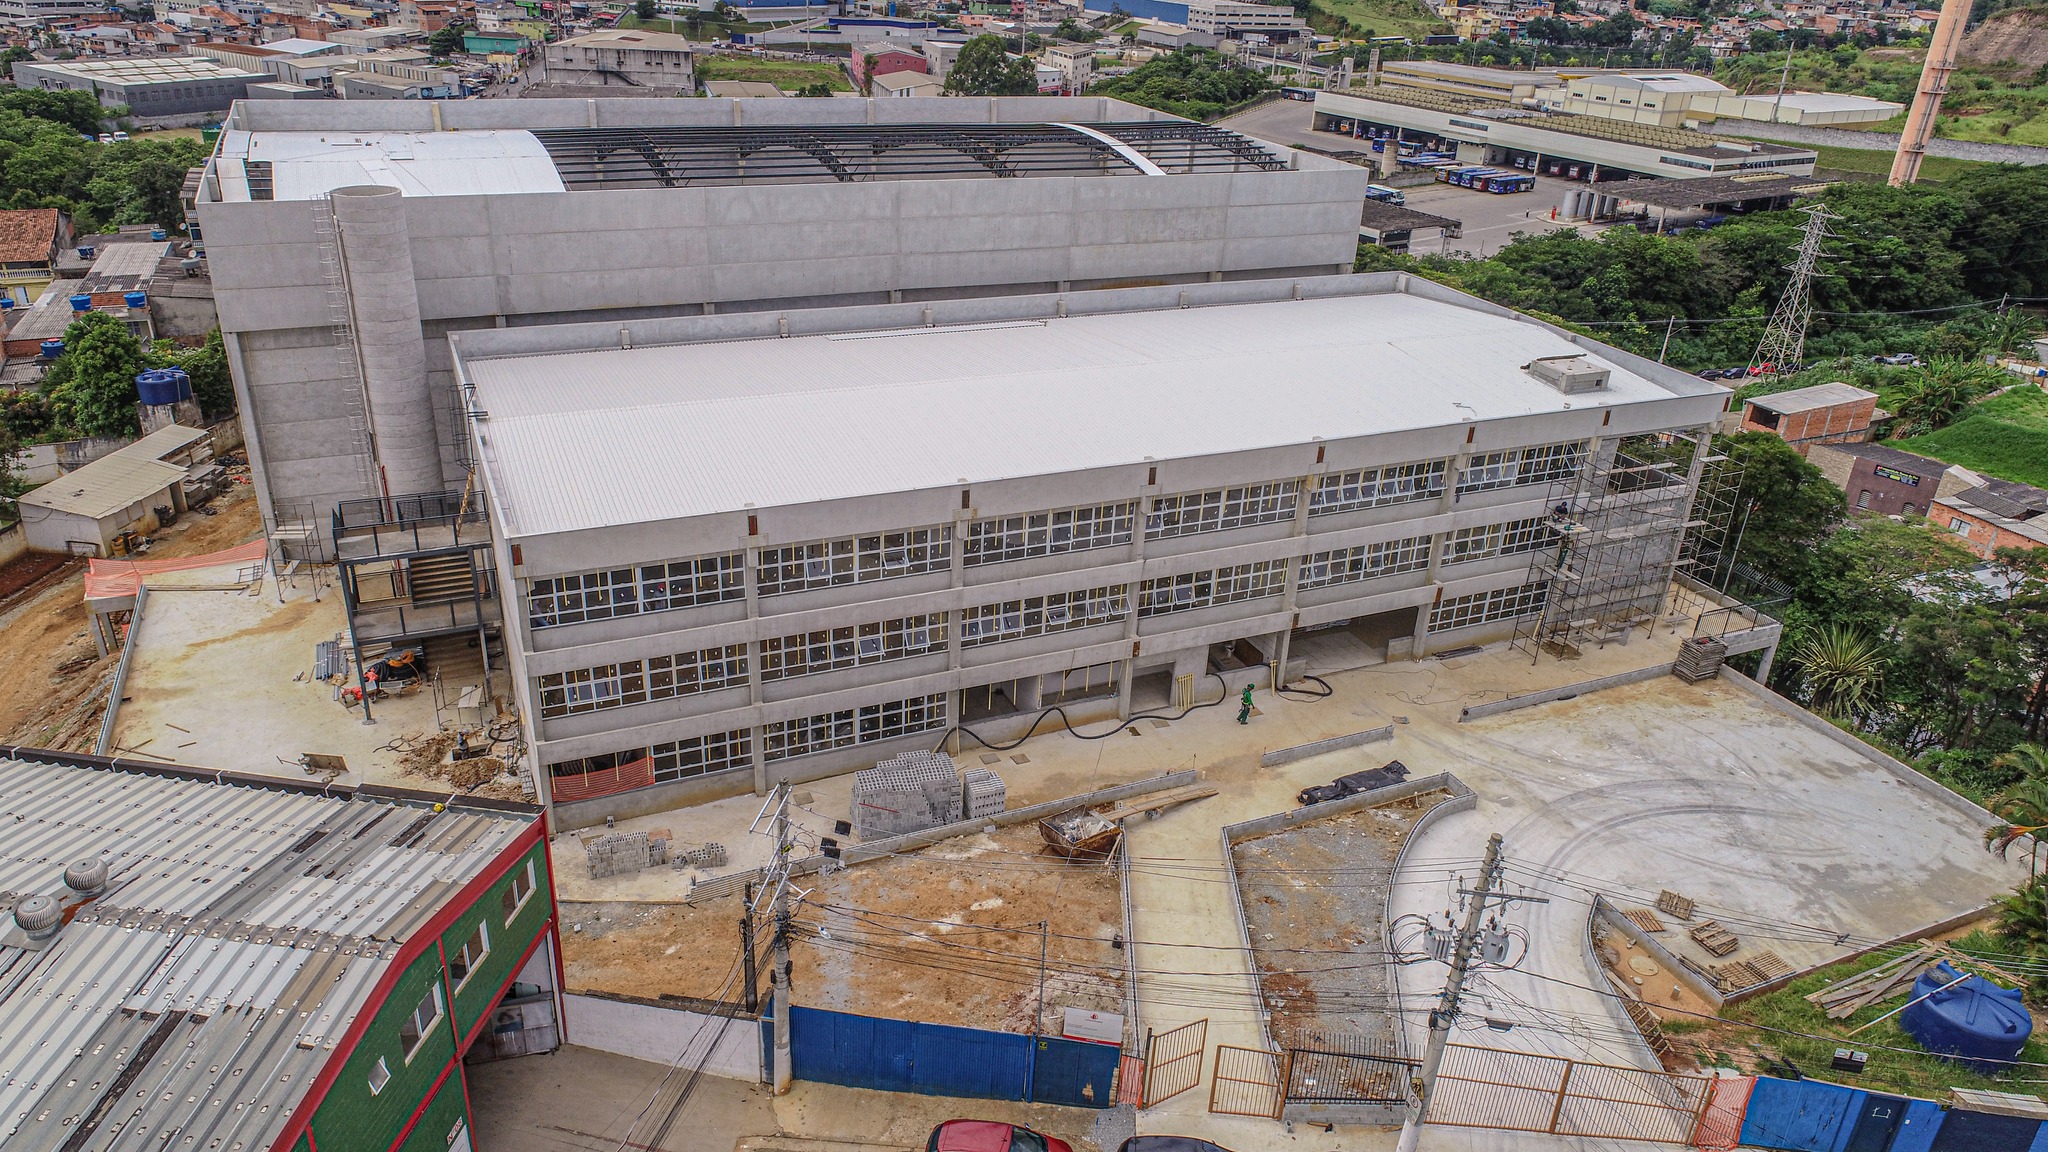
[1841,671]
[12,485]
[984,68]
[1785,505]
[2023,806]
[644,9]
[445,41]
[816,89]
[1191,82]
[2014,332]
[212,386]
[96,392]
[78,111]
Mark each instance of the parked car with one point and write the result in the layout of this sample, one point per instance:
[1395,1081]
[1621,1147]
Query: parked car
[1896,358]
[1393,772]
[120,137]
[1168,1144]
[991,1136]
[1763,369]
[106,137]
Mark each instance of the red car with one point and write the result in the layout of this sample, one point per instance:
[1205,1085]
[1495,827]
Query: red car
[990,1136]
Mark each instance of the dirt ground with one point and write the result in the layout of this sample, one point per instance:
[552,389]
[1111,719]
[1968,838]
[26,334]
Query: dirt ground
[948,935]
[1290,902]
[53,696]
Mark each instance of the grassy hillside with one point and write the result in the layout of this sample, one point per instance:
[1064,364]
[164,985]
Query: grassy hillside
[2004,103]
[788,75]
[1361,18]
[2005,436]
[1862,162]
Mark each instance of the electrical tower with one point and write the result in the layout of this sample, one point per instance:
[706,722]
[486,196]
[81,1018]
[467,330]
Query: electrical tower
[1784,340]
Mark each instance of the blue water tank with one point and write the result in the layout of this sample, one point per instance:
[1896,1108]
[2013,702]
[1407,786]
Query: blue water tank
[163,386]
[85,251]
[81,303]
[1975,1023]
[157,234]
[136,299]
[6,303]
[52,349]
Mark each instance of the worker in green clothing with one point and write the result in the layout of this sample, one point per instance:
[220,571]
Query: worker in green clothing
[1244,706]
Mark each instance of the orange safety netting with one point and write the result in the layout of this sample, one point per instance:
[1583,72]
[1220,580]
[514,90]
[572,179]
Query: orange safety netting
[108,579]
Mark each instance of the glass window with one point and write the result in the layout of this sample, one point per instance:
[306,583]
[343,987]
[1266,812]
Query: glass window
[637,682]
[1505,539]
[464,960]
[1219,586]
[1187,513]
[855,560]
[379,1076]
[807,653]
[613,592]
[1373,487]
[420,1024]
[1038,615]
[868,724]
[1365,562]
[1514,467]
[1486,607]
[1048,533]
[518,892]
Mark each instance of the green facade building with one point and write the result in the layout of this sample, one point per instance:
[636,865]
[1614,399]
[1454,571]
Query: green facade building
[210,961]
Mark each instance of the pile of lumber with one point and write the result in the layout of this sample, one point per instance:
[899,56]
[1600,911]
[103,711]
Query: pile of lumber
[1894,977]
[1710,935]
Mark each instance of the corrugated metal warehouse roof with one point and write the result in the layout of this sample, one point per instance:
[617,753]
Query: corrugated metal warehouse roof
[106,486]
[308,165]
[589,439]
[239,931]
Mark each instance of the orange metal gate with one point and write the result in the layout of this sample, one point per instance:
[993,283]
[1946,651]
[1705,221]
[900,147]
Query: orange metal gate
[1525,1092]
[1247,1082]
[1173,1061]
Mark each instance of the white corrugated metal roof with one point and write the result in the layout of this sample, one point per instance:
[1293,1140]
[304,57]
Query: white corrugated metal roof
[308,165]
[162,442]
[1816,396]
[205,937]
[106,486]
[589,439]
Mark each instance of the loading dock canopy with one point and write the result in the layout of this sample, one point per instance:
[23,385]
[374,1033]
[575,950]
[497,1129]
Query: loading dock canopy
[1381,217]
[1714,189]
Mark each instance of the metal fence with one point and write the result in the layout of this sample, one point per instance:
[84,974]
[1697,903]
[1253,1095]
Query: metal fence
[1321,1077]
[1525,1092]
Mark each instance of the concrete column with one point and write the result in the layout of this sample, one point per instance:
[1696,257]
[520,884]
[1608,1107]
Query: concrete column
[1142,514]
[1293,587]
[384,305]
[955,700]
[750,560]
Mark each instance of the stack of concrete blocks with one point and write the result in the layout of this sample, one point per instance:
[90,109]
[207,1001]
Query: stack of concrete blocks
[711,855]
[624,852]
[906,793]
[983,793]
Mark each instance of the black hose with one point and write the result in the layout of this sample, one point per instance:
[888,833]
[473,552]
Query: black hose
[1056,709]
[1325,694]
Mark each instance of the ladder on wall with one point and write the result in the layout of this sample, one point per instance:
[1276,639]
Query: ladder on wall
[341,323]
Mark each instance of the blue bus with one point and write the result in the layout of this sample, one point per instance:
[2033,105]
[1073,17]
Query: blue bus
[1385,195]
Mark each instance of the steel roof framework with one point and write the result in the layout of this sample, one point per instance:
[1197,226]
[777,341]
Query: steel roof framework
[687,157]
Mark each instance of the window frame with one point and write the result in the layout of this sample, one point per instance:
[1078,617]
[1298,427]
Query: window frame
[470,963]
[380,1077]
[513,897]
[421,1032]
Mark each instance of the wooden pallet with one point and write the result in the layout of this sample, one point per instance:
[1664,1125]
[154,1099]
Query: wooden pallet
[1645,919]
[1736,976]
[1672,904]
[1715,939]
[1770,964]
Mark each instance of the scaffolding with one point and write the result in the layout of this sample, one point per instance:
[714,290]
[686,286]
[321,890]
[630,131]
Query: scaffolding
[1624,530]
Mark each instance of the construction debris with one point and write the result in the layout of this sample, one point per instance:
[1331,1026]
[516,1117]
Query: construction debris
[1715,939]
[906,793]
[1845,998]
[619,852]
[1672,904]
[1699,659]
[711,855]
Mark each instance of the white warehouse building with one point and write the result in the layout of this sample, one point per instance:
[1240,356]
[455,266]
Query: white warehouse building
[746,548]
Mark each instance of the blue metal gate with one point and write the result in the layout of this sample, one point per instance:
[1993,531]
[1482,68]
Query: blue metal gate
[1073,1072]
[941,1060]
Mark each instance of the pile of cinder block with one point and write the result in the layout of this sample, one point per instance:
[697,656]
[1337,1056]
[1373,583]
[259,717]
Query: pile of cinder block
[711,855]
[906,793]
[983,793]
[624,852]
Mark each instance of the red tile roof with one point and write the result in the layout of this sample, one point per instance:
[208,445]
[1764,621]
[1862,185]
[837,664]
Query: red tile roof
[27,235]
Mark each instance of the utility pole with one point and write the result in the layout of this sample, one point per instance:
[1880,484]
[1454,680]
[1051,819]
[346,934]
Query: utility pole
[752,1002]
[776,886]
[1941,61]
[1669,323]
[1446,1012]
[1784,78]
[1784,339]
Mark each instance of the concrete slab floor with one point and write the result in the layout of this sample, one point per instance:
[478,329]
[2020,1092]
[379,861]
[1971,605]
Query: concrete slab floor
[224,679]
[584,1100]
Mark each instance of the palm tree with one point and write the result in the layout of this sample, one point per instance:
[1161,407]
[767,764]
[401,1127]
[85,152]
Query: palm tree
[1942,388]
[2023,804]
[1841,669]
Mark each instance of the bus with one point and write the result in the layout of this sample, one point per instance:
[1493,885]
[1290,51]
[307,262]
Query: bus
[1510,182]
[1292,93]
[1385,195]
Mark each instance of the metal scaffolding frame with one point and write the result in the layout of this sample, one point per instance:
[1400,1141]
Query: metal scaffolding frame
[1621,529]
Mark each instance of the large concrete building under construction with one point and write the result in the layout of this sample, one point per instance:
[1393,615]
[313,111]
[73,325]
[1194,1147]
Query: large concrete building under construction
[888,520]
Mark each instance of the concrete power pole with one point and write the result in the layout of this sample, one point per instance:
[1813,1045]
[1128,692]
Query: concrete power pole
[1446,1011]
[778,975]
[1941,60]
[1784,339]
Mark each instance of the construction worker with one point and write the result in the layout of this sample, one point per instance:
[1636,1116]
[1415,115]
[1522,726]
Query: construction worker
[1244,706]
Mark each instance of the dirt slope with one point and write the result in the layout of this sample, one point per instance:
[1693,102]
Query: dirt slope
[2018,37]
